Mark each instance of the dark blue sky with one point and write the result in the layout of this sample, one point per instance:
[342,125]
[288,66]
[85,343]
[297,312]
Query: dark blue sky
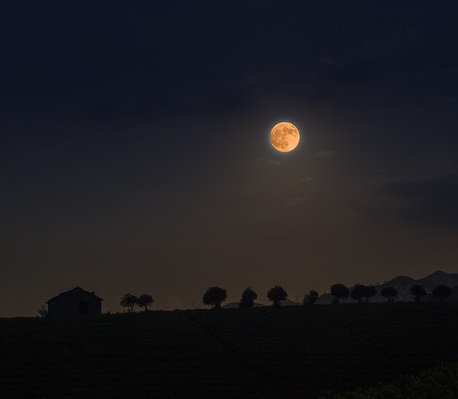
[134,151]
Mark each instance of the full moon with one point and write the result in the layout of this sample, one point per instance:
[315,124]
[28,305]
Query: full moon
[284,137]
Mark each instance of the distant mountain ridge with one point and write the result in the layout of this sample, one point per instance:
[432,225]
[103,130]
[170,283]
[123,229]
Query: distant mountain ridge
[403,284]
[440,277]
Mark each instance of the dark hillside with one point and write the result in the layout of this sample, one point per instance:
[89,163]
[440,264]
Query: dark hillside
[157,354]
[297,350]
[292,352]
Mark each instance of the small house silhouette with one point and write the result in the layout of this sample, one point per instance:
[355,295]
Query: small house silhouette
[73,303]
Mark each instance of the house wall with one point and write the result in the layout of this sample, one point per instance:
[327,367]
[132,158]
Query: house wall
[68,304]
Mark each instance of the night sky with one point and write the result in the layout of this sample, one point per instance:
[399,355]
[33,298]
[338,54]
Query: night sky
[135,153]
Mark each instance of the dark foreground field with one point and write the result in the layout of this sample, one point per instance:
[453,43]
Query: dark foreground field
[290,353]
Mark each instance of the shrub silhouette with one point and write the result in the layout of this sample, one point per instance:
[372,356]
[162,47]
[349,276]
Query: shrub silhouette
[389,293]
[144,301]
[339,291]
[214,297]
[310,298]
[418,292]
[43,312]
[248,298]
[276,294]
[128,301]
[442,291]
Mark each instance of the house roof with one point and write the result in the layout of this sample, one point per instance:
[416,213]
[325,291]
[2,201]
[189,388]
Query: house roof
[71,291]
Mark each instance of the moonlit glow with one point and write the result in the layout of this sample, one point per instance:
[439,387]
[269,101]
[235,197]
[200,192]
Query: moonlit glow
[284,137]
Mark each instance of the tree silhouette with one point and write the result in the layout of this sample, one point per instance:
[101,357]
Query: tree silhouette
[358,292]
[310,298]
[214,297]
[339,291]
[248,298]
[370,292]
[418,292]
[128,301]
[276,294]
[144,301]
[389,293]
[442,291]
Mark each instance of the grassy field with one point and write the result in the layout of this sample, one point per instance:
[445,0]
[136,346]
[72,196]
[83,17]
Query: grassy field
[294,352]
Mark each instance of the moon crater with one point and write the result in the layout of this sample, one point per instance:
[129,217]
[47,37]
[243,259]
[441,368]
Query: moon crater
[284,137]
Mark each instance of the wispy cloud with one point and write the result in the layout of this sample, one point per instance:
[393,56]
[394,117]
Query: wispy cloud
[307,179]
[296,200]
[326,154]
[269,161]
[428,202]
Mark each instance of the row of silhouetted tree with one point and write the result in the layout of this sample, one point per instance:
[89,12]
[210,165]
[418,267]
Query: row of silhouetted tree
[362,293]
[215,296]
[143,301]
